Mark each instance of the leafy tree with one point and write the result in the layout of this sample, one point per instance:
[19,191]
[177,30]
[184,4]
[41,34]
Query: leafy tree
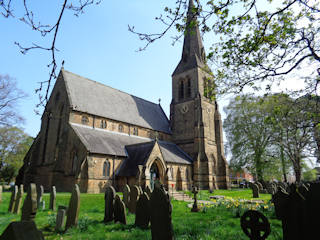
[14,144]
[309,174]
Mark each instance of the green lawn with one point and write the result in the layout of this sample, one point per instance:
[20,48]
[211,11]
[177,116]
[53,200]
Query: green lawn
[214,223]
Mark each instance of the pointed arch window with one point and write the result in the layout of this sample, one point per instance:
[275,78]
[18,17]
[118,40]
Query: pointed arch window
[106,169]
[84,120]
[103,124]
[188,88]
[181,90]
[74,162]
[120,128]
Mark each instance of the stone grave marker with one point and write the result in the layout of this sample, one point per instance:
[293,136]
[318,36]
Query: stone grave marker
[29,208]
[195,203]
[17,206]
[134,195]
[126,195]
[13,198]
[1,190]
[23,230]
[39,196]
[160,212]
[61,216]
[53,194]
[148,191]
[259,185]
[255,225]
[143,211]
[280,199]
[108,204]
[255,190]
[73,208]
[119,210]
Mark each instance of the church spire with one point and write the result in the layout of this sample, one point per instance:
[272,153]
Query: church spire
[193,54]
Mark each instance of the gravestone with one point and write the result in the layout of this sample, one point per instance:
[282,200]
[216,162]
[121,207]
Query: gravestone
[24,230]
[255,190]
[39,196]
[195,203]
[119,210]
[160,212]
[143,211]
[53,194]
[61,215]
[270,188]
[260,186]
[108,204]
[29,208]
[126,195]
[148,191]
[73,208]
[134,195]
[255,225]
[1,189]
[17,205]
[13,198]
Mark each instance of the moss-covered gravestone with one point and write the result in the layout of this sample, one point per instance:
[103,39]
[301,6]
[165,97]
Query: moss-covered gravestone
[53,194]
[143,211]
[108,204]
[119,210]
[126,195]
[74,207]
[13,198]
[17,206]
[161,209]
[134,195]
[29,208]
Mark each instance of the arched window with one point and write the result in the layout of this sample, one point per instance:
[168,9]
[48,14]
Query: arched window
[103,124]
[188,88]
[84,120]
[74,162]
[187,173]
[135,131]
[120,128]
[106,169]
[181,90]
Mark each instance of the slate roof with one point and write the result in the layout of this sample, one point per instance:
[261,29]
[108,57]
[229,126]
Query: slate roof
[105,142]
[138,154]
[95,98]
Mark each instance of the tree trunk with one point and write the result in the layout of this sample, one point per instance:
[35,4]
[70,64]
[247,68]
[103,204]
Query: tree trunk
[283,165]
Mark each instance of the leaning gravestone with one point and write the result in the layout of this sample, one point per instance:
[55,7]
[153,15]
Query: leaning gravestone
[53,194]
[134,195]
[23,230]
[108,204]
[143,211]
[61,215]
[73,209]
[29,208]
[126,195]
[39,195]
[119,210]
[160,211]
[13,198]
[17,206]
[255,225]
[255,190]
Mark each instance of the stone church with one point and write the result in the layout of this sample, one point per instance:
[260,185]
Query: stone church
[96,136]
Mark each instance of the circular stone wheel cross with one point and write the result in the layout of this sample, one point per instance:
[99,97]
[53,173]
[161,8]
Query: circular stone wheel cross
[255,225]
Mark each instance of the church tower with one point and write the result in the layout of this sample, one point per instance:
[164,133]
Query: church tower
[195,119]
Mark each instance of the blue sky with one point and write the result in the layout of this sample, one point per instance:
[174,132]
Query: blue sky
[96,45]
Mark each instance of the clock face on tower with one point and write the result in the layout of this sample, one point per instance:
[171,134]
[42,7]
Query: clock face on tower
[184,108]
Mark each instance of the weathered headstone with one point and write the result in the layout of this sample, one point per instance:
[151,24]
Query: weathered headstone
[73,208]
[260,186]
[255,190]
[23,230]
[270,188]
[17,205]
[143,211]
[13,198]
[108,204]
[134,195]
[119,210]
[53,194]
[255,225]
[148,191]
[61,215]
[29,208]
[126,195]
[160,209]
[39,195]
[195,203]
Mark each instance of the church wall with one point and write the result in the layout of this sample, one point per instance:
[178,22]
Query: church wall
[179,176]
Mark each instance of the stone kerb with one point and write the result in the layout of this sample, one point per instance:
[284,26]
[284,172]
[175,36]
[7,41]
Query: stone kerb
[73,209]
[160,212]
[143,211]
[108,201]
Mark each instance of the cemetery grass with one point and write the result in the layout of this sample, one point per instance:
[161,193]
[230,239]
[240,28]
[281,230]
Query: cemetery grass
[214,223]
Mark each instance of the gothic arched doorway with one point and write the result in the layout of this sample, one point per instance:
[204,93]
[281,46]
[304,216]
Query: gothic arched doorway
[156,172]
